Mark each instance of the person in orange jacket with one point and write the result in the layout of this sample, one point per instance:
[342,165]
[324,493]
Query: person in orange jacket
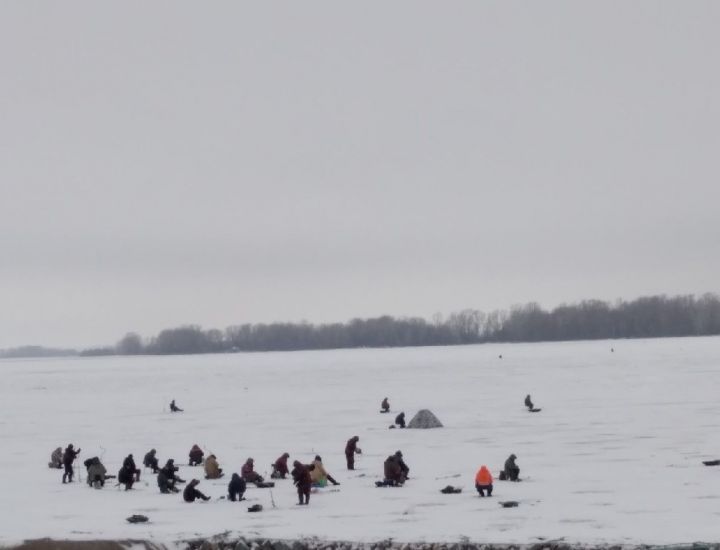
[484,481]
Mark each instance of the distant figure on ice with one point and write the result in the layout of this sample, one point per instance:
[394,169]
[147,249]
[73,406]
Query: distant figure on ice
[484,481]
[319,475]
[167,478]
[196,456]
[351,449]
[236,488]
[529,403]
[301,480]
[511,470]
[191,493]
[385,406]
[212,468]
[56,459]
[151,461]
[400,420]
[174,408]
[69,457]
[280,467]
[96,472]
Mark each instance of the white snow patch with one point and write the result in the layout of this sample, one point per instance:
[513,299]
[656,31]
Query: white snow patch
[614,456]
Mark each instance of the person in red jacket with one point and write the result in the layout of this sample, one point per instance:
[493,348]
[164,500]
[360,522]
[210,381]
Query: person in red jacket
[484,481]
[280,467]
[351,449]
[249,474]
[302,480]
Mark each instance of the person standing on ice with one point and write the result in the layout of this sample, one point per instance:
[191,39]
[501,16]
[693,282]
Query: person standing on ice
[302,480]
[191,493]
[69,457]
[174,408]
[385,406]
[56,459]
[351,449]
[484,481]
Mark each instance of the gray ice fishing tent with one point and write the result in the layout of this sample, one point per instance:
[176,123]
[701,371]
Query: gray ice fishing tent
[425,419]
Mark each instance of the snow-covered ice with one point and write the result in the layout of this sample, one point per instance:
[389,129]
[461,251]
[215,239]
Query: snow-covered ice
[614,456]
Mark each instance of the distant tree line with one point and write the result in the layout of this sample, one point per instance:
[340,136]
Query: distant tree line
[648,317]
[35,351]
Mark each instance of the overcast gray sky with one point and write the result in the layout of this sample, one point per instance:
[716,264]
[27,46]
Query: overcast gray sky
[177,162]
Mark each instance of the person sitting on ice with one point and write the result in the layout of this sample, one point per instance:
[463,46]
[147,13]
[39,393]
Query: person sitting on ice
[394,476]
[151,461]
[129,464]
[511,471]
[236,488]
[191,493]
[385,406]
[96,472]
[319,475]
[280,467]
[167,478]
[174,408]
[212,469]
[56,459]
[400,420]
[529,403]
[484,481]
[196,456]
[249,474]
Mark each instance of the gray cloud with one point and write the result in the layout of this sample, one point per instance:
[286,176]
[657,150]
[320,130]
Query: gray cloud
[175,162]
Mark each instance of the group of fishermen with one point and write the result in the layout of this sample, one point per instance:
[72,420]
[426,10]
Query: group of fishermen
[305,476]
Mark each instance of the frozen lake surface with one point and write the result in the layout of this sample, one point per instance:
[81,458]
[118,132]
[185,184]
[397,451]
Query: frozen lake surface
[614,456]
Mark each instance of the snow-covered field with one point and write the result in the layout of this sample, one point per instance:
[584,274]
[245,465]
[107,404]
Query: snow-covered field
[614,456]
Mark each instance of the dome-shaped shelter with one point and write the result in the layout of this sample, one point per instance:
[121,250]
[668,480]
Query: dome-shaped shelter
[425,419]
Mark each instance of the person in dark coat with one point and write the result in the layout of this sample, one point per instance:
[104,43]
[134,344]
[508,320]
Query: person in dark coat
[511,470]
[151,461]
[69,457]
[249,474]
[529,403]
[56,459]
[400,420]
[351,449]
[393,472]
[280,467]
[236,488]
[174,408]
[385,406]
[167,478]
[191,493]
[403,467]
[129,465]
[301,479]
[196,456]
[96,472]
